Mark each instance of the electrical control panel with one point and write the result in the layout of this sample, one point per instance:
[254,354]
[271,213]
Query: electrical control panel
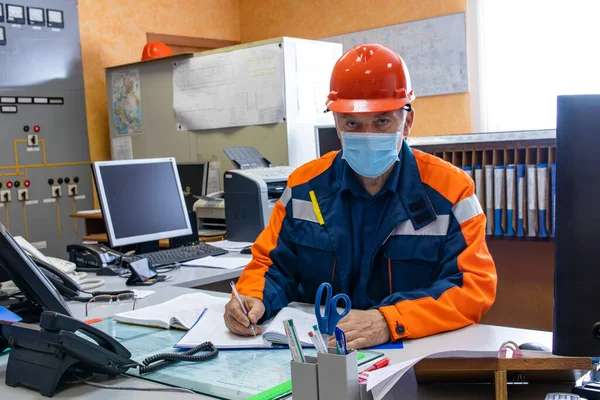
[45,172]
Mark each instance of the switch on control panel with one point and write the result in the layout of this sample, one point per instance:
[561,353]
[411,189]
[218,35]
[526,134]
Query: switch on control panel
[32,140]
[72,190]
[5,196]
[56,191]
[23,194]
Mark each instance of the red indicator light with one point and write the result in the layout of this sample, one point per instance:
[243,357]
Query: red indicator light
[9,184]
[27,183]
[36,128]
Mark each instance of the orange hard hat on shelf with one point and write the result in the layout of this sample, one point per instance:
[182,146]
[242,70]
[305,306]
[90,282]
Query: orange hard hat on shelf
[156,50]
[369,78]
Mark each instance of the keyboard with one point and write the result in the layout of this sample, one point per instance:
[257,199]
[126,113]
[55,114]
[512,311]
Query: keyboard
[182,254]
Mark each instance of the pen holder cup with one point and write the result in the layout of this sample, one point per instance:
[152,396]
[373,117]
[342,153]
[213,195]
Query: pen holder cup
[305,382]
[338,375]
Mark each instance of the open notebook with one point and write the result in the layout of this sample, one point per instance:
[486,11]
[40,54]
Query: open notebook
[211,327]
[202,315]
[181,312]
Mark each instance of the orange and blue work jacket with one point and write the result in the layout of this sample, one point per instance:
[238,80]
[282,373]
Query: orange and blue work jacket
[423,261]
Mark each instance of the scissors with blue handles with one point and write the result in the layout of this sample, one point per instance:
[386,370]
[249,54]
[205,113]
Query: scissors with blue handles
[330,317]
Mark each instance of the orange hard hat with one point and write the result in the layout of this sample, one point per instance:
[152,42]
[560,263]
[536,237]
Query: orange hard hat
[156,50]
[369,78]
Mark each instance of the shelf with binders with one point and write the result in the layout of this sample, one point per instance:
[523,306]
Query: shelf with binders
[522,251]
[515,185]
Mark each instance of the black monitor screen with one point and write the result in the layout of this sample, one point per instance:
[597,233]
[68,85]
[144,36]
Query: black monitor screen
[576,270]
[141,200]
[327,140]
[193,177]
[19,268]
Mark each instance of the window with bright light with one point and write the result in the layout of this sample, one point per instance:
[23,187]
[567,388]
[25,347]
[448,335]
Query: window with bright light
[530,51]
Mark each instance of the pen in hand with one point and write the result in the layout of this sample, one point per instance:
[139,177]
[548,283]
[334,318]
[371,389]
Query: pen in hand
[239,299]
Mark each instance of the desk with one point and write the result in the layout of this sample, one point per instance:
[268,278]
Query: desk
[407,387]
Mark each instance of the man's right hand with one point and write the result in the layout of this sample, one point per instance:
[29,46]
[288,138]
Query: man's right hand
[237,322]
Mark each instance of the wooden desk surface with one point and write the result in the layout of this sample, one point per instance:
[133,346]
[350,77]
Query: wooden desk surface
[97,215]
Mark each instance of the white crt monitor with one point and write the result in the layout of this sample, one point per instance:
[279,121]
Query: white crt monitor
[141,200]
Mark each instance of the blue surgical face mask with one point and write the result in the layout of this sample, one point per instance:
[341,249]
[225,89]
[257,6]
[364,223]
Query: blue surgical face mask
[370,154]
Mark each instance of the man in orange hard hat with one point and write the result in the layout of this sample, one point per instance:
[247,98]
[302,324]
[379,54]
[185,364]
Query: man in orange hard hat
[399,231]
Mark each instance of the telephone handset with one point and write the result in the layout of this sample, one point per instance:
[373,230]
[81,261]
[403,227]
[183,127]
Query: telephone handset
[92,257]
[64,265]
[66,286]
[40,355]
[55,322]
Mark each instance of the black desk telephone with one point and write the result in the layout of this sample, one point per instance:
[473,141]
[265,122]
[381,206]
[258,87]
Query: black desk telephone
[92,258]
[40,355]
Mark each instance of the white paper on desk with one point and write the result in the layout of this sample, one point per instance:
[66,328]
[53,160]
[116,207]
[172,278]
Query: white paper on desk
[141,294]
[231,246]
[221,262]
[381,381]
[211,328]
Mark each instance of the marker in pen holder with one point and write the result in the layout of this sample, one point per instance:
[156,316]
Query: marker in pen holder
[338,375]
[305,381]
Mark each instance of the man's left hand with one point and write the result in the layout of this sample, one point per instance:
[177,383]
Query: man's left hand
[363,329]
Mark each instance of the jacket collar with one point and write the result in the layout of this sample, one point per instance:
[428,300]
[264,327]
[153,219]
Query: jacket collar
[410,190]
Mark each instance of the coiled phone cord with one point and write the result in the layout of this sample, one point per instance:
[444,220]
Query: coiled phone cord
[158,361]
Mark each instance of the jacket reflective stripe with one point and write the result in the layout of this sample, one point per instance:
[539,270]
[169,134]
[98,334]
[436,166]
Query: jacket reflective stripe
[439,227]
[286,196]
[467,208]
[304,210]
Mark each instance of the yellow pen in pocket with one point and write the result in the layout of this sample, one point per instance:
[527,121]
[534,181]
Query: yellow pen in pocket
[315,205]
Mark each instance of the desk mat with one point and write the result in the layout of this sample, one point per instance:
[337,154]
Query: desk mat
[234,374]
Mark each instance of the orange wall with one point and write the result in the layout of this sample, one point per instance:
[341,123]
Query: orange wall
[314,19]
[113,32]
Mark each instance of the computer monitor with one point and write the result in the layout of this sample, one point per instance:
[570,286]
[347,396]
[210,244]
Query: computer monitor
[28,277]
[141,200]
[577,269]
[326,139]
[194,178]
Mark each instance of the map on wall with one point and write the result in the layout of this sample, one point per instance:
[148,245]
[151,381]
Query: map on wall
[127,102]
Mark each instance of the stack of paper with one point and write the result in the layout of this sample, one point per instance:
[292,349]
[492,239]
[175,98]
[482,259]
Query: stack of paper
[381,381]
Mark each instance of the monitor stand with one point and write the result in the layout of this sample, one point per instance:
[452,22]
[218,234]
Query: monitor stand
[147,247]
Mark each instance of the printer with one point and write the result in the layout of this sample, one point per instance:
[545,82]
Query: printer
[250,195]
[210,211]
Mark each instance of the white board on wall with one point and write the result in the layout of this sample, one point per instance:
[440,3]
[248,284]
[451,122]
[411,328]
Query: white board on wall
[236,88]
[434,49]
